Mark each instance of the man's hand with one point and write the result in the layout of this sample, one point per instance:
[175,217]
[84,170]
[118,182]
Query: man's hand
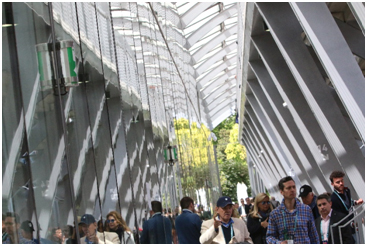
[284,242]
[265,223]
[243,216]
[92,237]
[217,222]
[359,201]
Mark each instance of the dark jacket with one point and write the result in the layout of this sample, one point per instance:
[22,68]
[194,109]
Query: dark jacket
[346,231]
[257,232]
[188,227]
[124,236]
[157,230]
[247,209]
[315,210]
[339,206]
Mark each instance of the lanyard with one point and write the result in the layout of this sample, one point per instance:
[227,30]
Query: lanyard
[351,201]
[231,232]
[285,226]
[327,233]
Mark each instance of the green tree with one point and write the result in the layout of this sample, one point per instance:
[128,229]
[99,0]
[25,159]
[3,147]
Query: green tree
[231,173]
[192,144]
[231,158]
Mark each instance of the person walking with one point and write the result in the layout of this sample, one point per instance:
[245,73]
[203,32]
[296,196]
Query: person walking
[115,223]
[188,224]
[92,236]
[328,218]
[158,229]
[257,221]
[292,221]
[274,202]
[224,228]
[309,198]
[341,197]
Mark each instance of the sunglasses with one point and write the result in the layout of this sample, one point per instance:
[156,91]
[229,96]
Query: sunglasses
[110,221]
[263,203]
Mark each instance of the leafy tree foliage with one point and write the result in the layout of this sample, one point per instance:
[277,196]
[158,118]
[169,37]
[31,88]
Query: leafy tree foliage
[193,154]
[231,158]
[232,172]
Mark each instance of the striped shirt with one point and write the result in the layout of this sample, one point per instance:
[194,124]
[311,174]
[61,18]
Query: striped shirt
[299,224]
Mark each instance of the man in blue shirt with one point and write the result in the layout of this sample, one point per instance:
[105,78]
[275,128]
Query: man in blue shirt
[27,231]
[12,226]
[188,224]
[292,221]
[158,229]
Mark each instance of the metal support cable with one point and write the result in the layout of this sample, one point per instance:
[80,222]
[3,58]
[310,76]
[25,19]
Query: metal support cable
[174,62]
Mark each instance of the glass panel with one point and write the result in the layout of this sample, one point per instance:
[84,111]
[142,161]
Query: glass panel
[122,188]
[17,189]
[43,121]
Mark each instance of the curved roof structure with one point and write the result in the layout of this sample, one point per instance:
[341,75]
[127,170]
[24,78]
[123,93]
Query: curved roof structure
[200,50]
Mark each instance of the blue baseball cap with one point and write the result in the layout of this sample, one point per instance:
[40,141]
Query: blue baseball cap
[87,219]
[224,201]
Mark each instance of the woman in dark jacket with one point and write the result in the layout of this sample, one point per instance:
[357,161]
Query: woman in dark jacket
[115,223]
[257,221]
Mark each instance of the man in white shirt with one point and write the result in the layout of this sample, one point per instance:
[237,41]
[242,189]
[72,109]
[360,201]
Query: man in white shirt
[241,209]
[329,217]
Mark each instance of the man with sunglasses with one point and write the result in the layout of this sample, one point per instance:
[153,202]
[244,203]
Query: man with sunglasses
[291,222]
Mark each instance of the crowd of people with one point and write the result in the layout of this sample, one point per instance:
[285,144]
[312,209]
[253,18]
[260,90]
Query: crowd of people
[261,220]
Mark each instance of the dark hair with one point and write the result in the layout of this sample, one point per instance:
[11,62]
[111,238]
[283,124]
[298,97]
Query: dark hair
[156,206]
[68,230]
[336,174]
[185,202]
[284,180]
[13,215]
[324,196]
[53,231]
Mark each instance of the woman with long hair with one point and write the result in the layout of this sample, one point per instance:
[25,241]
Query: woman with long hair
[257,221]
[115,223]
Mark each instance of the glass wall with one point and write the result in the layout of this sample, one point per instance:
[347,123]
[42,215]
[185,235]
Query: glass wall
[90,103]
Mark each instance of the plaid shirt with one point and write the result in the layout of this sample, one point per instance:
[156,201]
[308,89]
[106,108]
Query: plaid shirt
[22,240]
[304,232]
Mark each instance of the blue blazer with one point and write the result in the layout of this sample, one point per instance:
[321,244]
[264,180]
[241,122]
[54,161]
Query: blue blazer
[157,230]
[188,227]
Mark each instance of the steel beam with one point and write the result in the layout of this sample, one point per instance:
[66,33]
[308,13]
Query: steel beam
[216,57]
[285,29]
[209,25]
[192,13]
[205,49]
[358,10]
[260,165]
[282,168]
[263,153]
[336,57]
[312,171]
[214,73]
[277,141]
